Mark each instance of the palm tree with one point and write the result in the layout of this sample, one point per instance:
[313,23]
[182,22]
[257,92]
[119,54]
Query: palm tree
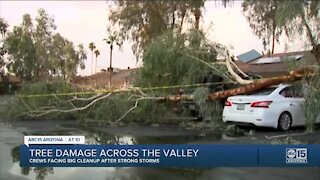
[97,53]
[92,47]
[111,39]
[196,6]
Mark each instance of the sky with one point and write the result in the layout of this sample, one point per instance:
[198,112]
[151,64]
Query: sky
[86,21]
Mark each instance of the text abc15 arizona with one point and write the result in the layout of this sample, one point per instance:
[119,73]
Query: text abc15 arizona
[296,155]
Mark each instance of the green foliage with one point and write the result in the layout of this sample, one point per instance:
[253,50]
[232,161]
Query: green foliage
[287,141]
[150,112]
[42,35]
[173,59]
[142,21]
[9,107]
[18,107]
[38,52]
[261,16]
[109,109]
[92,46]
[3,26]
[97,53]
[22,52]
[3,31]
[200,97]
[234,131]
[177,59]
[312,100]
[295,17]
[208,110]
[300,18]
[147,111]
[112,40]
[54,87]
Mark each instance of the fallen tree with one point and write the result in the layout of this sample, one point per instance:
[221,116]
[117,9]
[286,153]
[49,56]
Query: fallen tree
[221,95]
[248,88]
[72,104]
[170,61]
[261,83]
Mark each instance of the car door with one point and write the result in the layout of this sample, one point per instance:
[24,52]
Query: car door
[298,103]
[293,102]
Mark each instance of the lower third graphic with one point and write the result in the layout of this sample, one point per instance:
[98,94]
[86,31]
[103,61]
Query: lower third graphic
[296,155]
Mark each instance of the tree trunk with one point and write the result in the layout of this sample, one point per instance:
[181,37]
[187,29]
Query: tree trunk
[95,71]
[2,91]
[316,47]
[173,18]
[197,15]
[95,67]
[245,89]
[163,24]
[260,84]
[273,38]
[182,19]
[309,32]
[316,52]
[91,62]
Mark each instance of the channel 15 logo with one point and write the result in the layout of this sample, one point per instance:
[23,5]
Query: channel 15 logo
[296,155]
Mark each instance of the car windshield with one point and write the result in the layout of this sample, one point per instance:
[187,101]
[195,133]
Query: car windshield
[265,91]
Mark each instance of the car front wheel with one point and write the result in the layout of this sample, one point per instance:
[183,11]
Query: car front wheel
[285,121]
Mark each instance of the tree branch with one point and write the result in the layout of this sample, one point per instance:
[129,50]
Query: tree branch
[234,74]
[135,106]
[75,98]
[41,113]
[208,64]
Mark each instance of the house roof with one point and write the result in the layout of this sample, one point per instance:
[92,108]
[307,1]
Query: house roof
[278,58]
[249,56]
[287,54]
[264,69]
[102,78]
[275,68]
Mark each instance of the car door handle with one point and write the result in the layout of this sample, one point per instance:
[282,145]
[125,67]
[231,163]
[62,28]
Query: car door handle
[291,104]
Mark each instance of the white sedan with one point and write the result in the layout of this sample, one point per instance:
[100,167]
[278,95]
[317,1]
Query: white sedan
[277,106]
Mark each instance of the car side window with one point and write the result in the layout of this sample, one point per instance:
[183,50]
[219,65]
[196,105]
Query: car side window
[292,92]
[298,92]
[285,92]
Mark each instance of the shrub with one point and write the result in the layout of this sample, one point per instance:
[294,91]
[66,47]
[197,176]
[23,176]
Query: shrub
[45,99]
[311,104]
